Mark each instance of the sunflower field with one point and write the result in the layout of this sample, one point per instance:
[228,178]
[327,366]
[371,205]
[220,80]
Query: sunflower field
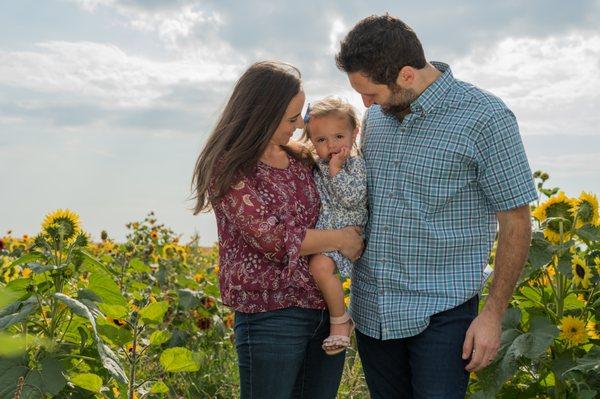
[143,318]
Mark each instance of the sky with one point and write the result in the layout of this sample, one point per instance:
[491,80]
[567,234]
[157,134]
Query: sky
[105,104]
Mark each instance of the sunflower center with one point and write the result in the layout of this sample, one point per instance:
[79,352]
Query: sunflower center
[580,271]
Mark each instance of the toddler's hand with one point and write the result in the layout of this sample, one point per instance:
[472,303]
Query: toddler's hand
[337,161]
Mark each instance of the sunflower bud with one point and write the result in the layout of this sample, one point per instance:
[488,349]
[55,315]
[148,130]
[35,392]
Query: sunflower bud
[103,235]
[81,240]
[39,241]
[544,176]
[537,174]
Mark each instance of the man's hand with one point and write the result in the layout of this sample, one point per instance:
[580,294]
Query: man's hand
[482,340]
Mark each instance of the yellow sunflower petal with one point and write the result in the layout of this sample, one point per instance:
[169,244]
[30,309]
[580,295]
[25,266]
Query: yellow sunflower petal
[573,331]
[66,221]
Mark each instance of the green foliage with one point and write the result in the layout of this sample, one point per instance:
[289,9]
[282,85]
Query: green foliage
[144,318]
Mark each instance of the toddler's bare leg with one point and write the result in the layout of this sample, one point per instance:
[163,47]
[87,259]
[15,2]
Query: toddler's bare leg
[322,268]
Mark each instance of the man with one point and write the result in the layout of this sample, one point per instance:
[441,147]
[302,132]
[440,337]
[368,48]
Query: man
[446,170]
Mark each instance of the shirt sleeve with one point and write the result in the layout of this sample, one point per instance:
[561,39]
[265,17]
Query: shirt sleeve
[504,174]
[275,235]
[349,185]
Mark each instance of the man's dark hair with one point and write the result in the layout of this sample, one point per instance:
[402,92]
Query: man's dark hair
[380,46]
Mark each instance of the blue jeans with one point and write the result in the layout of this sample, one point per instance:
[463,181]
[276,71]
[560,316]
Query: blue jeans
[428,365]
[280,355]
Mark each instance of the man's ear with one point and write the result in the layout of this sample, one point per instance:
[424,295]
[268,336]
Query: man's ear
[406,76]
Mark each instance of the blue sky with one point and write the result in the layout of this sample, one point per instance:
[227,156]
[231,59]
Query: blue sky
[105,104]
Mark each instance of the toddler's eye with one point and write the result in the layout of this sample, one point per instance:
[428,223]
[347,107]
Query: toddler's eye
[320,140]
[340,136]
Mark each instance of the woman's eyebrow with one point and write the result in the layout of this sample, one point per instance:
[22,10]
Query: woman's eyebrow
[295,116]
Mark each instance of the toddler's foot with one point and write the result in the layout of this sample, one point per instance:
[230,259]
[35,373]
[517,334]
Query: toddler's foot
[339,334]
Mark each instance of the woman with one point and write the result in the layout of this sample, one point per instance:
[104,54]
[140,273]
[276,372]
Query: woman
[266,204]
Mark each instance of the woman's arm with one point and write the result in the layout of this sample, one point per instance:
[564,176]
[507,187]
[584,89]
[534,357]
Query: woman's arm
[347,240]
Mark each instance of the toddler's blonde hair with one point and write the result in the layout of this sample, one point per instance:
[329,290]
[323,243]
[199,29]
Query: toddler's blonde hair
[330,106]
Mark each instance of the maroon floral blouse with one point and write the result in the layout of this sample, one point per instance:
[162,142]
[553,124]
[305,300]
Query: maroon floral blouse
[262,221]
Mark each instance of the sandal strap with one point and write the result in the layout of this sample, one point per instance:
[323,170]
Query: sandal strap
[341,319]
[336,341]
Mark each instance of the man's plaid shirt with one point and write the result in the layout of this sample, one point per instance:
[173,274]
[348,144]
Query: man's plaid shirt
[435,182]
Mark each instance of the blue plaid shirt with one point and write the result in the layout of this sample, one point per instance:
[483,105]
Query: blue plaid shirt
[435,182]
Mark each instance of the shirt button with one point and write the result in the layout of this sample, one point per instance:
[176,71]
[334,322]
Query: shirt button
[397,163]
[385,228]
[391,194]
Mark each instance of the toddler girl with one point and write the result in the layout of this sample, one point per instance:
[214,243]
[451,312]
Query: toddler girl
[331,125]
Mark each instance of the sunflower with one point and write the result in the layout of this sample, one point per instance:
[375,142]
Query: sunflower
[592,330]
[198,277]
[573,331]
[346,284]
[62,222]
[116,322]
[581,271]
[557,206]
[586,209]
[169,251]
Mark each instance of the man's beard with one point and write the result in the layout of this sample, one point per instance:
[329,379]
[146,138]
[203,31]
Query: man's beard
[399,104]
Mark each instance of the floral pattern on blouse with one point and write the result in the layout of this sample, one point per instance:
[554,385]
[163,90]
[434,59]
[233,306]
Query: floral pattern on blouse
[262,220]
[343,201]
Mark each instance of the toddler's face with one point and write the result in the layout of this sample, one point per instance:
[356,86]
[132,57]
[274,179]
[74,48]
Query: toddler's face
[330,133]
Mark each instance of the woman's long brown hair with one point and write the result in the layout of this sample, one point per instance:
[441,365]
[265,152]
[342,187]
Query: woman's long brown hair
[252,114]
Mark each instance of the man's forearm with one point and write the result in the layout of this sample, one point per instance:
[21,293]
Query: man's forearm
[514,238]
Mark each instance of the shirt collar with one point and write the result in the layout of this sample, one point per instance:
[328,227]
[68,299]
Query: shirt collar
[435,92]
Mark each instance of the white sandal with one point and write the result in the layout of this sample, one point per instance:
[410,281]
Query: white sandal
[335,344]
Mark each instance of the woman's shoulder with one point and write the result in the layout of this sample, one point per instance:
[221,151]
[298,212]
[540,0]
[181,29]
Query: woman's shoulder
[300,152]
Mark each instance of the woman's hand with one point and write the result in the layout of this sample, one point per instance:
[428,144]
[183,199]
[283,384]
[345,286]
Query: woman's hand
[351,243]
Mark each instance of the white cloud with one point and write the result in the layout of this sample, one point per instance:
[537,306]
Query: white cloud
[337,32]
[104,72]
[176,24]
[552,84]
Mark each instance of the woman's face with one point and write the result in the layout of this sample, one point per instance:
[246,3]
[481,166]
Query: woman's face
[292,120]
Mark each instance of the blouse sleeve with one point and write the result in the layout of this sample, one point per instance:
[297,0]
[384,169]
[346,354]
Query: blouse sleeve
[274,235]
[349,185]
